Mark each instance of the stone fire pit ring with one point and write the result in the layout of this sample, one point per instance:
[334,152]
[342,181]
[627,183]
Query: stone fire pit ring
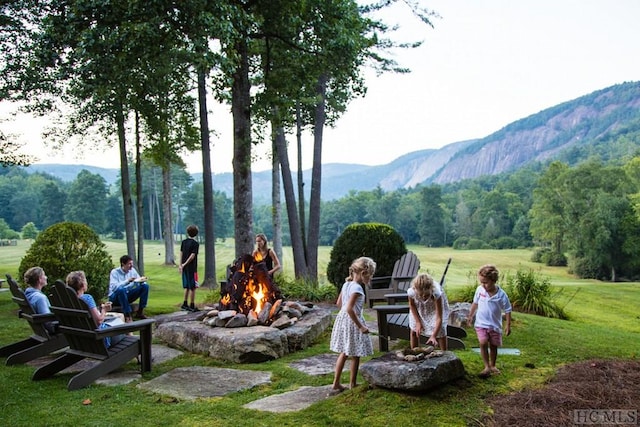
[251,344]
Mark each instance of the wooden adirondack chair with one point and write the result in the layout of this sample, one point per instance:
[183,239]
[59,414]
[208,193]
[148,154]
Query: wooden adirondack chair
[86,340]
[43,341]
[404,270]
[393,323]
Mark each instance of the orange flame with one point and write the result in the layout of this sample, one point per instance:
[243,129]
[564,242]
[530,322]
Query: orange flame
[259,298]
[226,299]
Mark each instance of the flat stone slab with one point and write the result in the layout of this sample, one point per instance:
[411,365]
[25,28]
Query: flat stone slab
[501,350]
[291,401]
[319,365]
[123,375]
[388,371]
[203,382]
[251,344]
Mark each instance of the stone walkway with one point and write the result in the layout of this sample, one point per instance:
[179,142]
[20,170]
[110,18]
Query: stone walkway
[195,382]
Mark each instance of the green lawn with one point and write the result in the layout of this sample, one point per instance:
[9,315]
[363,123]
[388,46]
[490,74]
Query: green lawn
[604,323]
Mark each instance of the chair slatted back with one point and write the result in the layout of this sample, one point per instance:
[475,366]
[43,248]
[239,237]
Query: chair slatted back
[36,321]
[76,322]
[405,269]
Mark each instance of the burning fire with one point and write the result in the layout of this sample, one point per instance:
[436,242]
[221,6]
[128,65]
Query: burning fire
[249,288]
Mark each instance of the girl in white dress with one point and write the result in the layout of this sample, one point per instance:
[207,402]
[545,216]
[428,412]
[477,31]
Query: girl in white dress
[350,335]
[429,311]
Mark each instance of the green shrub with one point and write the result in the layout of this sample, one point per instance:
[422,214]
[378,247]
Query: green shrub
[555,259]
[464,294]
[586,268]
[505,242]
[477,244]
[306,290]
[530,293]
[539,254]
[380,242]
[470,243]
[29,231]
[68,246]
[461,243]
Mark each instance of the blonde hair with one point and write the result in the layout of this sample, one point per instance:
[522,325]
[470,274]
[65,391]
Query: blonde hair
[490,272]
[362,266]
[424,286]
[76,280]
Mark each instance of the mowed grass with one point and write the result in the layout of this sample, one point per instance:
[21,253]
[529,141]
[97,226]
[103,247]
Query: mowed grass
[604,323]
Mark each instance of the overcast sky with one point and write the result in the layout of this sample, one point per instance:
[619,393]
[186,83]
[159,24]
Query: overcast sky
[485,64]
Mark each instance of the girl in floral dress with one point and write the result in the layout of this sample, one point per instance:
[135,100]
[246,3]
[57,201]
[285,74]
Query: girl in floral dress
[429,311]
[350,335]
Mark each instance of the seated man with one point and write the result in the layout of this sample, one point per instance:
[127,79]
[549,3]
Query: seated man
[126,286]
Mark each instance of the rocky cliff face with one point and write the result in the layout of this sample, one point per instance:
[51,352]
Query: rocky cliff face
[542,136]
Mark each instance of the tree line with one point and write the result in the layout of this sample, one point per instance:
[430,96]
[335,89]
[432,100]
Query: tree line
[586,216]
[139,75]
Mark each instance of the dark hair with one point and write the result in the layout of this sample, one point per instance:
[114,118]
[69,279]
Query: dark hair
[125,259]
[192,230]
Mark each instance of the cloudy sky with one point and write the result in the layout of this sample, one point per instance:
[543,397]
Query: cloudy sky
[484,64]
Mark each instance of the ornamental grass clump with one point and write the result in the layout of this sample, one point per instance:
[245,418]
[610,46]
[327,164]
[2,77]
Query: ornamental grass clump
[531,293]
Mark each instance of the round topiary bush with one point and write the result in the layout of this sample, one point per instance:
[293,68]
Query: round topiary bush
[380,242]
[68,246]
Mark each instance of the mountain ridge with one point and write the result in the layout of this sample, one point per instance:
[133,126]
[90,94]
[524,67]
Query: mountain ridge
[573,127]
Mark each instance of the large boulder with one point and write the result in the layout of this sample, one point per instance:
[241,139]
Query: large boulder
[388,371]
[459,314]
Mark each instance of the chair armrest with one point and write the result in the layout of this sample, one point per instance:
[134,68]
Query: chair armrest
[39,318]
[125,328]
[402,278]
[400,296]
[380,282]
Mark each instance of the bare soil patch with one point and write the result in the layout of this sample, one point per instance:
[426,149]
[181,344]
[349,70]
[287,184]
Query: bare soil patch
[595,384]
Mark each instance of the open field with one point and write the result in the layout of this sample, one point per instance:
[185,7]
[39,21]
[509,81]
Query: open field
[604,323]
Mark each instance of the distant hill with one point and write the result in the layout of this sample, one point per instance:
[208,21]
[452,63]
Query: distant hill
[68,173]
[604,124]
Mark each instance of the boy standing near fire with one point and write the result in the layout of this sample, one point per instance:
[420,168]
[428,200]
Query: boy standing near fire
[189,267]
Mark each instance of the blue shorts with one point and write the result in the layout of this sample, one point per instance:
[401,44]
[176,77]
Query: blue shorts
[188,281]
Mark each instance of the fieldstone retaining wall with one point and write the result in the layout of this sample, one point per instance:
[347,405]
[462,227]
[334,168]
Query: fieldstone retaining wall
[251,344]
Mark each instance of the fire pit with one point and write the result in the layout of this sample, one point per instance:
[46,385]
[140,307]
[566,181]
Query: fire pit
[249,297]
[251,323]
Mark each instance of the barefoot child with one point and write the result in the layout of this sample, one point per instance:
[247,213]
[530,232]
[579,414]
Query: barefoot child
[350,335]
[429,311]
[489,302]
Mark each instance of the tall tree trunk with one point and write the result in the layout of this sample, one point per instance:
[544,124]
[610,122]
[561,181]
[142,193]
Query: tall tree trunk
[299,261]
[276,214]
[167,211]
[139,199]
[207,185]
[125,184]
[152,214]
[316,178]
[301,197]
[242,186]
[159,213]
